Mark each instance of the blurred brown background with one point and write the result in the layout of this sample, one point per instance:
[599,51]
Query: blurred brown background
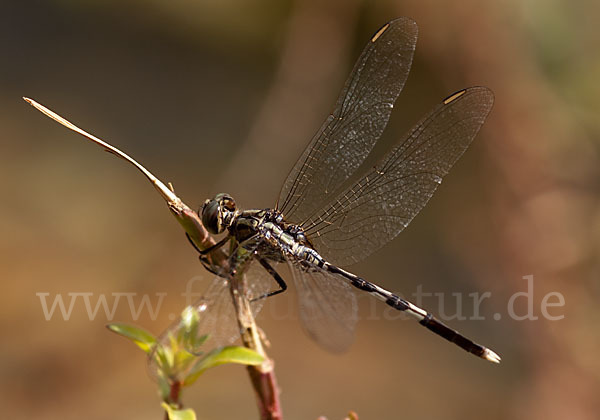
[222,96]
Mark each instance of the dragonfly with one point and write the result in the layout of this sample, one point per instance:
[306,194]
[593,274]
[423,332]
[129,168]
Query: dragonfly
[331,212]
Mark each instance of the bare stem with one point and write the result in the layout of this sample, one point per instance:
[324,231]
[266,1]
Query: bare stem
[262,376]
[174,395]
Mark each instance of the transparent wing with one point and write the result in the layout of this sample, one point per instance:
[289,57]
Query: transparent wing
[367,215]
[360,116]
[327,307]
[216,317]
[210,322]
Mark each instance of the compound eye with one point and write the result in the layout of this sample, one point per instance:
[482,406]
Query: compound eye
[211,217]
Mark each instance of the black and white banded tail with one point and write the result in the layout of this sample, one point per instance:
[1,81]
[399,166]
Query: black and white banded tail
[425,318]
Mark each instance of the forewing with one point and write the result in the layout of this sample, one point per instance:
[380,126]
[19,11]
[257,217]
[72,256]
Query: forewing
[327,307]
[367,215]
[360,116]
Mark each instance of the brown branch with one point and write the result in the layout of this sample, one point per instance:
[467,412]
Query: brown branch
[262,376]
[174,395]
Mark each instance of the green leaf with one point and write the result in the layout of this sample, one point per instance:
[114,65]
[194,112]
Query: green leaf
[188,329]
[183,360]
[163,358]
[164,386]
[187,414]
[188,325]
[142,338]
[230,354]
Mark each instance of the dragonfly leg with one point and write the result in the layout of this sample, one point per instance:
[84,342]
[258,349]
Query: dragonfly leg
[209,249]
[193,243]
[204,254]
[280,282]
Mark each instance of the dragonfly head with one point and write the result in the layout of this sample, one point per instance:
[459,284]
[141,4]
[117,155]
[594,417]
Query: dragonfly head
[218,213]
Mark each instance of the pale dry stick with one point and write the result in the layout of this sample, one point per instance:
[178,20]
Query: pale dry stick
[189,219]
[262,376]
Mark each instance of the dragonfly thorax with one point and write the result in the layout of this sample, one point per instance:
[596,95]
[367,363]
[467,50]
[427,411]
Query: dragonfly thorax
[220,214]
